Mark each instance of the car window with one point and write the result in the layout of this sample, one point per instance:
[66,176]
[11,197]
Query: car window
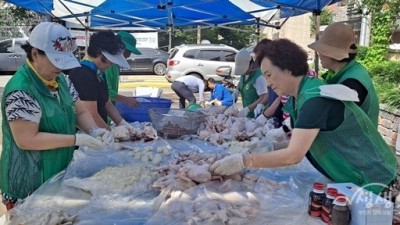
[173,53]
[191,53]
[212,55]
[18,48]
[6,46]
[228,56]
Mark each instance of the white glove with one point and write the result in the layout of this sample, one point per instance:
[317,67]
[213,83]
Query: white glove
[261,119]
[123,122]
[103,134]
[229,165]
[258,110]
[121,132]
[287,123]
[243,112]
[131,129]
[89,141]
[275,134]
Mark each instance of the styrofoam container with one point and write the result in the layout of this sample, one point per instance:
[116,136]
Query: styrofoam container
[147,92]
[366,207]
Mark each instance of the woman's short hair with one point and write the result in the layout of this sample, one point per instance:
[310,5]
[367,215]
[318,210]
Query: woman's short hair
[285,54]
[28,49]
[351,55]
[105,41]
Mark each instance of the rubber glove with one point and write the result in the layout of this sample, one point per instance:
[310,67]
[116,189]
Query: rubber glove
[102,134]
[89,141]
[287,123]
[243,112]
[121,132]
[229,165]
[261,119]
[275,134]
[258,110]
[131,129]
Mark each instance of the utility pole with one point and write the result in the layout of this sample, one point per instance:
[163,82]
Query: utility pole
[198,34]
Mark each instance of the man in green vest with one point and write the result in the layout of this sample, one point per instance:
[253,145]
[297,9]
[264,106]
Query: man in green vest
[330,130]
[113,72]
[337,53]
[252,85]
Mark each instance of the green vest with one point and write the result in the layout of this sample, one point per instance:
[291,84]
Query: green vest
[23,171]
[353,152]
[247,90]
[355,70]
[112,77]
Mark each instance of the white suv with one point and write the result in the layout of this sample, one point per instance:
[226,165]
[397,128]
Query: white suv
[199,59]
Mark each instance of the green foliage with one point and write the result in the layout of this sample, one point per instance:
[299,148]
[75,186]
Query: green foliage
[362,53]
[386,76]
[13,17]
[325,19]
[238,37]
[380,32]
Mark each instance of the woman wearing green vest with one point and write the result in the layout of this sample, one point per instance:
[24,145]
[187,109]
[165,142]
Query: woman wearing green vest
[337,53]
[112,73]
[252,85]
[335,135]
[40,113]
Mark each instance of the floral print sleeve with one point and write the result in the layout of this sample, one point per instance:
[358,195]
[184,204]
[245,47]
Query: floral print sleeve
[72,90]
[21,105]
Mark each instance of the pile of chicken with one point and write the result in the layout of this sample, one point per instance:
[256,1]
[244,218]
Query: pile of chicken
[137,131]
[180,199]
[223,126]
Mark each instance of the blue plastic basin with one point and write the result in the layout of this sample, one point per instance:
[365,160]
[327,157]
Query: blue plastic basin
[141,112]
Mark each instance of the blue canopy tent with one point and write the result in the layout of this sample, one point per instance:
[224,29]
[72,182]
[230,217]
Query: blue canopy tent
[162,14]
[167,14]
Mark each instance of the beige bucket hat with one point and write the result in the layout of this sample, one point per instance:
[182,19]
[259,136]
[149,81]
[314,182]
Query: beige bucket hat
[335,41]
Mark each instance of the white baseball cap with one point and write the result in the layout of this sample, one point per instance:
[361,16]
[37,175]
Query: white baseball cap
[56,41]
[242,62]
[118,59]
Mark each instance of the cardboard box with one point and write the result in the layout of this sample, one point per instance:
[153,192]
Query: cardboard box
[366,207]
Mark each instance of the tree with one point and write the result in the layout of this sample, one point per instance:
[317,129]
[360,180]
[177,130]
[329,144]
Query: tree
[325,19]
[238,37]
[14,19]
[384,14]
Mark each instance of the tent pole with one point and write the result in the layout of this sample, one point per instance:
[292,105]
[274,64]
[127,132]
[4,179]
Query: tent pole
[169,38]
[317,27]
[86,33]
[258,29]
[198,34]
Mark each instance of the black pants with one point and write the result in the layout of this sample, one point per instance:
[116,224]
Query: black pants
[184,93]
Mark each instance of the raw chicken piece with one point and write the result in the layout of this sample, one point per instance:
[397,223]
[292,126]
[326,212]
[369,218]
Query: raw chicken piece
[199,174]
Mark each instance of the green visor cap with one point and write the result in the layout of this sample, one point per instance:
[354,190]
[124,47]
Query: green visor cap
[129,42]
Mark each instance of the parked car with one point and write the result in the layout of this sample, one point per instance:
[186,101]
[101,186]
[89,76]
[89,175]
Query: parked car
[11,54]
[201,60]
[151,60]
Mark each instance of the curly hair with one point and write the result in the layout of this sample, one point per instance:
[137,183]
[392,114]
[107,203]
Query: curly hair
[285,54]
[260,45]
[105,41]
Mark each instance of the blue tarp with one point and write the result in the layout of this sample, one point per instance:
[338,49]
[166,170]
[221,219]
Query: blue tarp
[177,13]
